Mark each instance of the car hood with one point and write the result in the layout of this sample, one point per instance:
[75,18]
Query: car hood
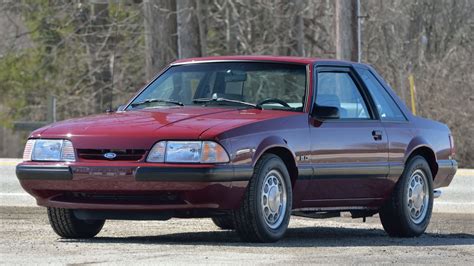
[142,128]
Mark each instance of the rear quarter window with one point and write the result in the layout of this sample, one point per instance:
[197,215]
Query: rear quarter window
[387,108]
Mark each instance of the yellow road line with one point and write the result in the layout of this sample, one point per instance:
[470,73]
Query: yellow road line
[9,163]
[465,173]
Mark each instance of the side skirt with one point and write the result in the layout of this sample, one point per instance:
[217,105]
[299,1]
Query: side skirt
[332,212]
[145,215]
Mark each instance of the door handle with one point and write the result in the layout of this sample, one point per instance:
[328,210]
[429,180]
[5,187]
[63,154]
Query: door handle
[377,134]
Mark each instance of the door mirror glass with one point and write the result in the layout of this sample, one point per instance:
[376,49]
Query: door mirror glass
[325,112]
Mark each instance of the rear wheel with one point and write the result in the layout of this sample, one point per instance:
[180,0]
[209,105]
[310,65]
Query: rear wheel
[224,222]
[408,212]
[66,225]
[265,210]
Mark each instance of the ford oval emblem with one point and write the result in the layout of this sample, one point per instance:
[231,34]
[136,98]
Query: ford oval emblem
[110,155]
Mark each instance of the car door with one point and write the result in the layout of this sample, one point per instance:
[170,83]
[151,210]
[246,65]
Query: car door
[349,154]
[393,119]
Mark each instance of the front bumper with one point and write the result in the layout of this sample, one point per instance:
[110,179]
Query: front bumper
[43,172]
[134,186]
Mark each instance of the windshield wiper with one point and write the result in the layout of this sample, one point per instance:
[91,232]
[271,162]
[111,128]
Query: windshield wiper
[220,99]
[156,101]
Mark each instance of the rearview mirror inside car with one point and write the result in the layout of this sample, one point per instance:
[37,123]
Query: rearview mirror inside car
[235,76]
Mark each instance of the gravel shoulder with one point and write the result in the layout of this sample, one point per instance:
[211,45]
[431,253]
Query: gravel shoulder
[26,238]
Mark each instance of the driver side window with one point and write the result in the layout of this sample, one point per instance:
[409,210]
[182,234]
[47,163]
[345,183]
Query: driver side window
[337,89]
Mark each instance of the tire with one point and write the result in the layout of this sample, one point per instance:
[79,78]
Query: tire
[265,210]
[224,222]
[408,212]
[66,225]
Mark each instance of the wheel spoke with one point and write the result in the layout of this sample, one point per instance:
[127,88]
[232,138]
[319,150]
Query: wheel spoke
[417,196]
[273,199]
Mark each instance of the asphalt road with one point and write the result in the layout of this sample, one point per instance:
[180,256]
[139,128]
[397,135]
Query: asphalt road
[26,237]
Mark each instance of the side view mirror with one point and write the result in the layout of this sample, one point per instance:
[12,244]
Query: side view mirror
[325,112]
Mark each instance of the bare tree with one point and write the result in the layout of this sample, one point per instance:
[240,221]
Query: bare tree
[202,11]
[83,51]
[98,43]
[231,27]
[160,35]
[299,28]
[189,40]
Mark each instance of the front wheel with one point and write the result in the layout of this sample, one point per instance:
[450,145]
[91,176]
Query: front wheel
[224,222]
[67,225]
[408,212]
[265,210]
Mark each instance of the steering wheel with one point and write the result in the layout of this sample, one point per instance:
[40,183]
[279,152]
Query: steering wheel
[274,100]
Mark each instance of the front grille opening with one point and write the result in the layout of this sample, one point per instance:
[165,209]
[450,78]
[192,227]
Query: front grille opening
[114,198]
[121,155]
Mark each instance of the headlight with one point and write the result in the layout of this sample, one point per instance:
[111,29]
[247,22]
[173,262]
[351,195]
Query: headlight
[183,151]
[49,150]
[188,152]
[157,153]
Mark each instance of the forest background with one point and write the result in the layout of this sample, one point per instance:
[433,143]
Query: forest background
[94,55]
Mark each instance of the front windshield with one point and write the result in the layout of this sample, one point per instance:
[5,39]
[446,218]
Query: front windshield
[271,85]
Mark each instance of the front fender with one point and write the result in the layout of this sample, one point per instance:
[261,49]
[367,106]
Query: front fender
[269,143]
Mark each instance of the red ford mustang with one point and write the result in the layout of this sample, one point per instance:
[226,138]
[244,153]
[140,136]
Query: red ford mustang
[247,141]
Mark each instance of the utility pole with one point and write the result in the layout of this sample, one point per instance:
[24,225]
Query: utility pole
[347,30]
[359,33]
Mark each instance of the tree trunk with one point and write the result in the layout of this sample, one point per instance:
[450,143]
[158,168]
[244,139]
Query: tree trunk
[299,28]
[232,29]
[346,30]
[160,35]
[99,45]
[189,41]
[202,12]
